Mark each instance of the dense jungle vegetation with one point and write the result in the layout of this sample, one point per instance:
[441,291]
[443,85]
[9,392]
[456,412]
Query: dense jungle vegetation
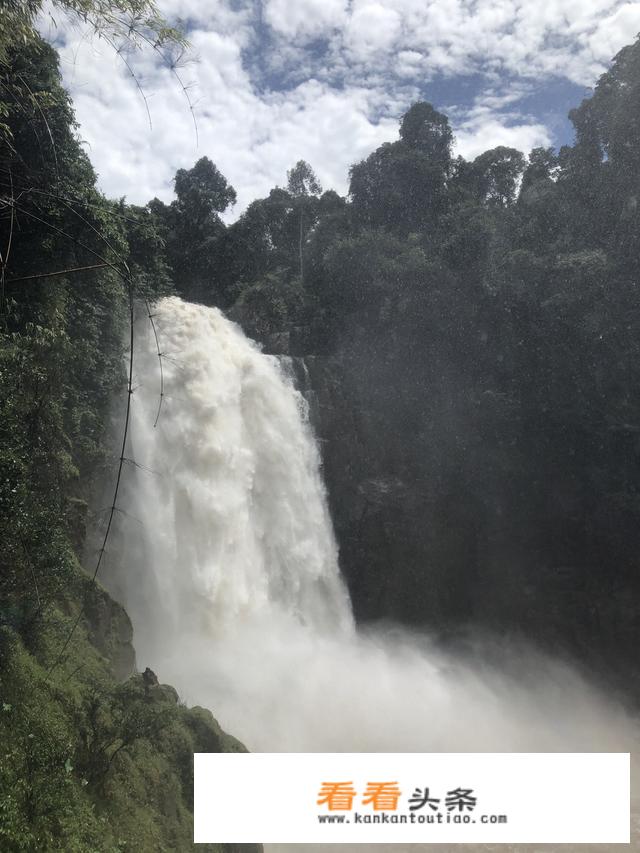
[472,333]
[93,757]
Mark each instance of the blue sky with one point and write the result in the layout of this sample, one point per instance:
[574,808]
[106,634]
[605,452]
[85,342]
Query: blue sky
[274,81]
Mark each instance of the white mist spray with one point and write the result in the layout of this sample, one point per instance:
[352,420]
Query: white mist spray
[229,570]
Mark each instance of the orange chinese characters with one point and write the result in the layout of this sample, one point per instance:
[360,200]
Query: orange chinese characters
[383,796]
[338,796]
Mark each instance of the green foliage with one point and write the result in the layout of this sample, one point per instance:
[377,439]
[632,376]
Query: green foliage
[202,192]
[302,181]
[87,764]
[16,24]
[497,173]
[270,305]
[138,23]
[193,232]
[60,344]
[424,129]
[399,187]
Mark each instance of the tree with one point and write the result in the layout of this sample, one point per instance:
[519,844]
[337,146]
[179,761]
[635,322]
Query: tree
[541,167]
[403,185]
[265,237]
[194,232]
[302,184]
[605,163]
[497,173]
[202,191]
[302,181]
[426,130]
[398,187]
[608,123]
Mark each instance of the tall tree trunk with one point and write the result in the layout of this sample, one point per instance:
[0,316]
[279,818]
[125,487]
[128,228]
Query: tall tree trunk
[300,247]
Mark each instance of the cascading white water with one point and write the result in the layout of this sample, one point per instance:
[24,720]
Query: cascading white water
[234,517]
[228,567]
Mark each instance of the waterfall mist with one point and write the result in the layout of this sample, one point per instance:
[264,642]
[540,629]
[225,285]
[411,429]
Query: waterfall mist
[227,564]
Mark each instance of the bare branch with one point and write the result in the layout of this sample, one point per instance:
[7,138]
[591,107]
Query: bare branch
[57,272]
[134,76]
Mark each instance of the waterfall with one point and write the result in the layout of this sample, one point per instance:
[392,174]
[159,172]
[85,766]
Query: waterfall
[227,489]
[228,566]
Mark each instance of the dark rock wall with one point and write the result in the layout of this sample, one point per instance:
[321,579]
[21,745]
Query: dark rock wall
[449,522]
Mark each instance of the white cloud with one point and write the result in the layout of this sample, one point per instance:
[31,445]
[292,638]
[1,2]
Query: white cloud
[615,31]
[372,27]
[337,104]
[484,132]
[455,36]
[305,18]
[493,120]
[252,138]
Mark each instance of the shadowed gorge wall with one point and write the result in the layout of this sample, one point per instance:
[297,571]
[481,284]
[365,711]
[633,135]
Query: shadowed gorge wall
[474,354]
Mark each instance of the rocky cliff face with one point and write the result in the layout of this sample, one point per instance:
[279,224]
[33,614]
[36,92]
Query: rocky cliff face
[446,524]
[481,460]
[110,631]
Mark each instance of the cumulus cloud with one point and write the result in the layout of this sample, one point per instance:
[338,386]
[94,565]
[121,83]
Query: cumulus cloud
[614,31]
[494,119]
[478,134]
[371,28]
[305,19]
[253,137]
[326,80]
